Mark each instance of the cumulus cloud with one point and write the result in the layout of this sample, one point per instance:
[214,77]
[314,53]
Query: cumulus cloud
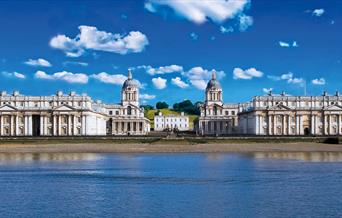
[116,79]
[319,82]
[40,62]
[147,96]
[198,76]
[14,75]
[75,63]
[159,83]
[178,82]
[289,77]
[201,11]
[318,12]
[90,38]
[288,44]
[162,70]
[63,76]
[250,73]
[199,84]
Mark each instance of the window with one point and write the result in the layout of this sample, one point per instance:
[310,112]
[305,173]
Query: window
[117,112]
[79,119]
[129,110]
[233,113]
[78,131]
[110,112]
[227,113]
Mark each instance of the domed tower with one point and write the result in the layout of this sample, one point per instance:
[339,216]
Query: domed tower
[130,91]
[213,92]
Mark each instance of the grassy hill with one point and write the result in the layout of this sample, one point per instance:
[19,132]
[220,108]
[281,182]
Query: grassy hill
[150,115]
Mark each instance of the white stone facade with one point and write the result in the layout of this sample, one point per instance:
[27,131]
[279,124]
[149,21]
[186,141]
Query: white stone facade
[292,115]
[216,118]
[59,115]
[171,122]
[72,115]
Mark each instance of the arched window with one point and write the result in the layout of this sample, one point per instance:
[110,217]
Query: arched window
[129,110]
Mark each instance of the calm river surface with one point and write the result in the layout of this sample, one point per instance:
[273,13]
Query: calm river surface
[171,185]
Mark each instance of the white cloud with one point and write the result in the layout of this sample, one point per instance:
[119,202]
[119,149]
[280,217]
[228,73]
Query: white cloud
[159,83]
[92,39]
[320,81]
[284,44]
[14,74]
[250,73]
[40,62]
[147,96]
[267,90]
[288,44]
[83,64]
[201,11]
[199,84]
[64,76]
[318,12]
[162,70]
[198,76]
[116,79]
[226,29]
[289,77]
[178,82]
[245,22]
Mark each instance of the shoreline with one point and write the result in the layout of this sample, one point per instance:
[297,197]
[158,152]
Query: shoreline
[99,147]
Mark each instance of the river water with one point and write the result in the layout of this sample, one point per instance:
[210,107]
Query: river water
[277,184]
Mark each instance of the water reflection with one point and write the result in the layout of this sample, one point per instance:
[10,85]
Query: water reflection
[302,156]
[43,157]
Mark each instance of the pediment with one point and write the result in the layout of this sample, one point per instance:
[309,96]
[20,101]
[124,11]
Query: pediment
[64,108]
[7,107]
[333,107]
[279,107]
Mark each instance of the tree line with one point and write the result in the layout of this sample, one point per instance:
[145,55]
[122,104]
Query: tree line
[185,106]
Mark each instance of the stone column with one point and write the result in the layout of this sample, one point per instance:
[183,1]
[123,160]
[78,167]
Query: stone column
[25,125]
[30,124]
[17,125]
[74,126]
[284,125]
[41,121]
[289,124]
[69,125]
[330,122]
[313,132]
[54,127]
[339,124]
[274,125]
[297,125]
[1,124]
[12,125]
[59,126]
[269,125]
[257,125]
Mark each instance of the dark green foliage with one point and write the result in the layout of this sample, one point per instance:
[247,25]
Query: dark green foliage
[162,105]
[147,107]
[186,106]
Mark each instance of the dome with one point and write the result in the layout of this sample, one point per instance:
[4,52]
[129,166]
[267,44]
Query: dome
[130,82]
[213,83]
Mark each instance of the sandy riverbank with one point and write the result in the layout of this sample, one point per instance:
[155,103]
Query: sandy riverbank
[177,148]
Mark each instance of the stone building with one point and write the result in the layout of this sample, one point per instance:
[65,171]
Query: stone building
[127,118]
[292,115]
[72,115]
[171,122]
[58,115]
[216,118]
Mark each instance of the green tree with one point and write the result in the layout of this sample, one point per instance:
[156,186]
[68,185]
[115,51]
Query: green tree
[162,105]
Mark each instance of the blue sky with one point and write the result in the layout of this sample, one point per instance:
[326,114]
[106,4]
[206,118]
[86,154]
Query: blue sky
[172,47]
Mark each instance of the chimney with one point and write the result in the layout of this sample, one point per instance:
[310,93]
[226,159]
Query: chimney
[182,113]
[72,93]
[270,93]
[282,93]
[325,93]
[337,93]
[3,93]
